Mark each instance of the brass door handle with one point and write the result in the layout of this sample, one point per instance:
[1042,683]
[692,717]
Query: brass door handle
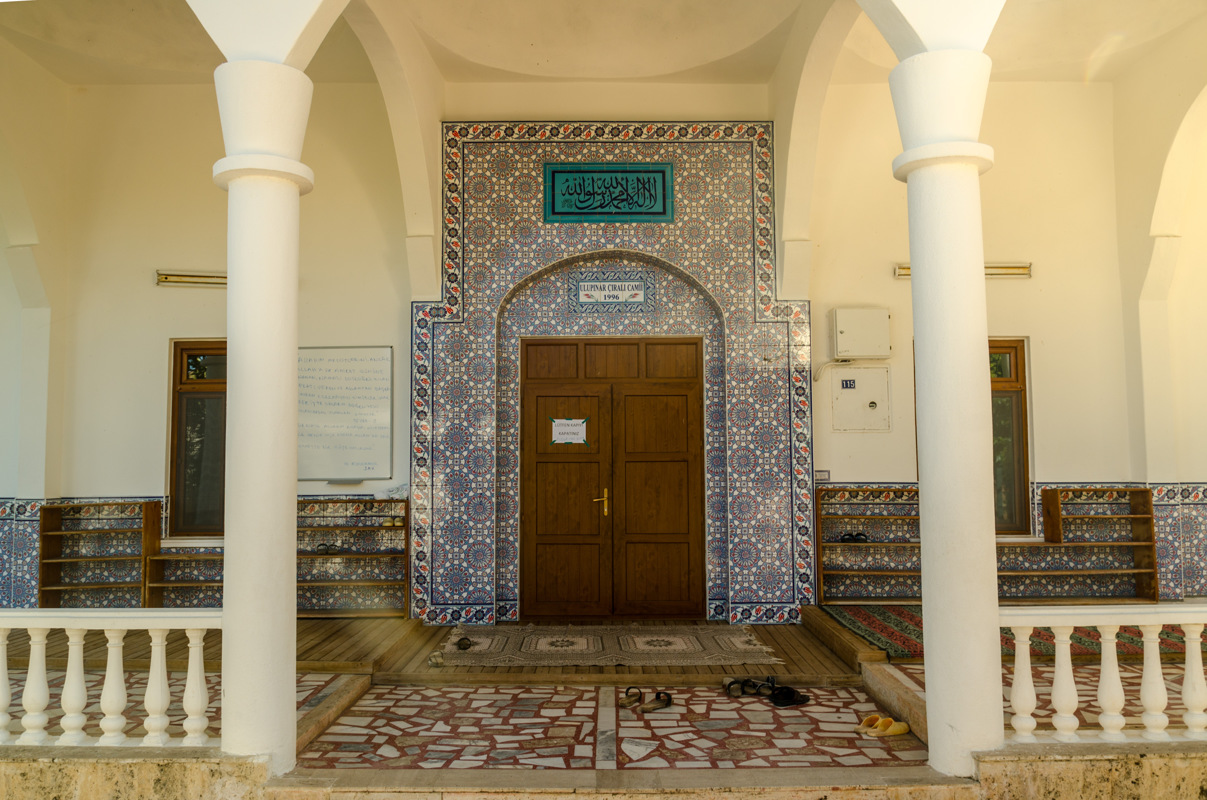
[603,500]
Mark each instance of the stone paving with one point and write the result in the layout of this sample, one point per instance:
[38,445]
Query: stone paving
[581,728]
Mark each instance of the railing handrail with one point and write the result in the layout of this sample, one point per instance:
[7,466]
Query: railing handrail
[1089,615]
[130,619]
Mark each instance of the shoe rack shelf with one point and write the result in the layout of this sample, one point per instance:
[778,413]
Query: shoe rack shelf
[1065,528]
[1067,532]
[833,527]
[328,556]
[79,549]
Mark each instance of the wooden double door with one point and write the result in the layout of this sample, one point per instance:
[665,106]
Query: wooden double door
[612,478]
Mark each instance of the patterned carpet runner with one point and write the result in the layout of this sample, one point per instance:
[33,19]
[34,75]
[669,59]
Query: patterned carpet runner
[898,631]
[604,645]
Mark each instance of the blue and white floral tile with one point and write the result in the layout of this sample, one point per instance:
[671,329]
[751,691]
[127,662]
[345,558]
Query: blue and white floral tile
[508,274]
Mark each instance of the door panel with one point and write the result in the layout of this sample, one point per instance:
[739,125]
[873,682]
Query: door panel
[564,499]
[655,423]
[658,533]
[612,360]
[645,556]
[551,361]
[569,574]
[565,539]
[654,573]
[662,488]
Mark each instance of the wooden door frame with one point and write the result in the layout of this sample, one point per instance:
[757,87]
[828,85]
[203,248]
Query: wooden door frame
[701,401]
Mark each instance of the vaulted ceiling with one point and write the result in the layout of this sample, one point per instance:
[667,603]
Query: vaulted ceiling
[706,41]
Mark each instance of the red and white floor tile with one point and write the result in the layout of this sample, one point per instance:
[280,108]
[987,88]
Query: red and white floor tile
[581,728]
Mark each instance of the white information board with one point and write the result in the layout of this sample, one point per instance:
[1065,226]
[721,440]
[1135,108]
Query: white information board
[345,413]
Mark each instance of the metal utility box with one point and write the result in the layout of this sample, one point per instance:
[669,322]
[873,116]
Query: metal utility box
[860,333]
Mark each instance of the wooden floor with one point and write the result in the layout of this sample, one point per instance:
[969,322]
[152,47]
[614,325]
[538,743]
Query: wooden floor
[395,651]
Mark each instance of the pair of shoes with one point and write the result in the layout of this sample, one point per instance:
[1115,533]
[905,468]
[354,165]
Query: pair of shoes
[633,696]
[848,538]
[876,725]
[785,696]
[736,687]
[324,549]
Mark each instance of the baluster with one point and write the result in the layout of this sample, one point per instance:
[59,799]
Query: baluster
[1152,687]
[156,699]
[1064,688]
[196,694]
[1022,691]
[113,695]
[1110,688]
[6,689]
[1194,687]
[37,693]
[75,696]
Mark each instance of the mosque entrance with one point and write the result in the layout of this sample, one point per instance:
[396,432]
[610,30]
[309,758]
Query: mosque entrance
[612,478]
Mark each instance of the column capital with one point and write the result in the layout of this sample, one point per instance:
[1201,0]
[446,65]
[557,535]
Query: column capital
[234,167]
[975,153]
[939,98]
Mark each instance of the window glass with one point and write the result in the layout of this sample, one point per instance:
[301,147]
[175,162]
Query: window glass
[999,365]
[1009,492]
[202,454]
[205,366]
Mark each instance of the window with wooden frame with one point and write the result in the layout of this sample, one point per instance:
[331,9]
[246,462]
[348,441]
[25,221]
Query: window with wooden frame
[1011,479]
[198,440]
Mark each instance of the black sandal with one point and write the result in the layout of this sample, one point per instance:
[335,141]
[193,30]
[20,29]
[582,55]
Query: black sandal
[749,686]
[661,700]
[786,696]
[767,687]
[733,687]
[628,699]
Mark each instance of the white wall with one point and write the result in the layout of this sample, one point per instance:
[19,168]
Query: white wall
[142,199]
[1188,327]
[10,385]
[1048,200]
[605,101]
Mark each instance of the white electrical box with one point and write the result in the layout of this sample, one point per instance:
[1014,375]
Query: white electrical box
[859,399]
[860,332]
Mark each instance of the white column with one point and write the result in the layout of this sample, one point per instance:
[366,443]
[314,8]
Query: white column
[939,97]
[264,107]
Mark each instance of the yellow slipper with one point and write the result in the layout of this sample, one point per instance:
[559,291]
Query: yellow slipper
[893,728]
[868,723]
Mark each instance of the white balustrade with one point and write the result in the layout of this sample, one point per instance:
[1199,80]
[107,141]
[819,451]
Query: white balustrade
[1108,619]
[115,623]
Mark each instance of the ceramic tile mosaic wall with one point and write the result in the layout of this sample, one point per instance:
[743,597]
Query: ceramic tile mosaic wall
[1180,519]
[363,533]
[506,275]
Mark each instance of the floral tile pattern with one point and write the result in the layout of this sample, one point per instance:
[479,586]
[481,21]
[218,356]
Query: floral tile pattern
[507,273]
[581,728]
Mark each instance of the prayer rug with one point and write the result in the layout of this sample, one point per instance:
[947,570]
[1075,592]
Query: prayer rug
[897,630]
[604,645]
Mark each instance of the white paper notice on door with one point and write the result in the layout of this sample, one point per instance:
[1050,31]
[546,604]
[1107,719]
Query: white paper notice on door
[569,431]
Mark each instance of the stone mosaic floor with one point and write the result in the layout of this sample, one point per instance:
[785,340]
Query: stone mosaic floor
[1086,678]
[581,728]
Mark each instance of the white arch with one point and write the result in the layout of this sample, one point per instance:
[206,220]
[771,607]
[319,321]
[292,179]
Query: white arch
[800,86]
[412,88]
[1163,437]
[33,350]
